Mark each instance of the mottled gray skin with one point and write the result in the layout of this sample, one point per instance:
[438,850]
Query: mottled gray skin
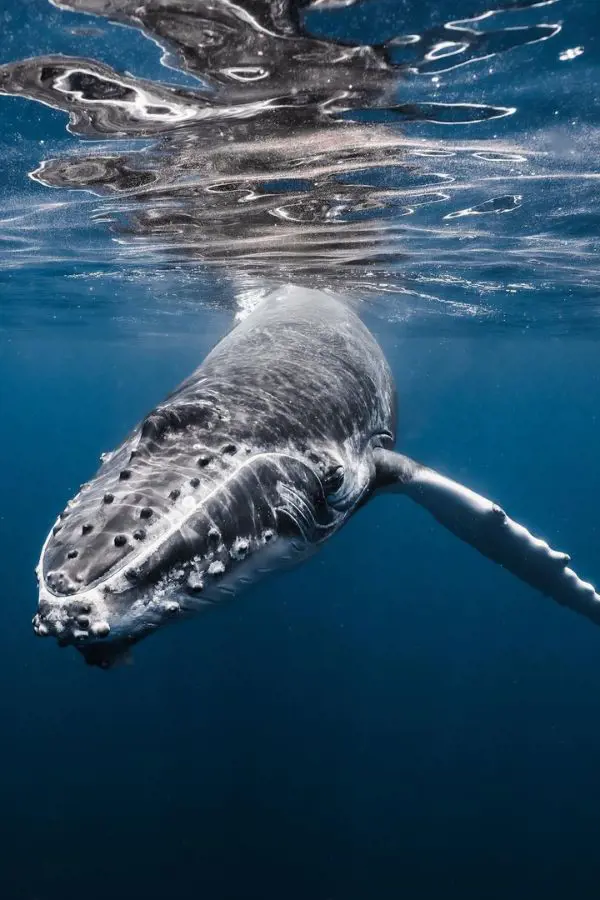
[258,457]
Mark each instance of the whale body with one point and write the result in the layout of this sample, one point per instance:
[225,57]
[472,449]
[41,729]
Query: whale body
[258,457]
[266,450]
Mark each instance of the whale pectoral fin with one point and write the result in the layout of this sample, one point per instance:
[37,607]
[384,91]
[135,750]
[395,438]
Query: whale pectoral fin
[484,525]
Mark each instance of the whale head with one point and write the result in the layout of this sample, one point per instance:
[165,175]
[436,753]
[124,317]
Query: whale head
[253,461]
[173,523]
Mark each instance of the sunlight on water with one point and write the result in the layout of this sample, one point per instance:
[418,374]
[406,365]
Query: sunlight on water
[369,147]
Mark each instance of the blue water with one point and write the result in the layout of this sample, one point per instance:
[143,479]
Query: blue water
[398,717]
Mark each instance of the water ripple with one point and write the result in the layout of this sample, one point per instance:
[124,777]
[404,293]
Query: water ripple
[296,149]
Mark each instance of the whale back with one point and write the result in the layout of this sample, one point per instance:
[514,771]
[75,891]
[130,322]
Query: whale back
[300,370]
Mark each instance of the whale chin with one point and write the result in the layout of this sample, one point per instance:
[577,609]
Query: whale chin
[104,621]
[259,514]
[109,655]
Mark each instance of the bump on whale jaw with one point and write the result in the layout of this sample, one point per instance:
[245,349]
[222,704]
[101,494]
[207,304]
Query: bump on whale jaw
[105,620]
[105,582]
[96,630]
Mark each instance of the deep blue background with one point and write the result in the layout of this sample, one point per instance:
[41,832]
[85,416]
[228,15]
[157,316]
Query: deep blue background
[398,717]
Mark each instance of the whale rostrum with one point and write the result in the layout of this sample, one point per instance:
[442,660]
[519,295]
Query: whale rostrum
[266,450]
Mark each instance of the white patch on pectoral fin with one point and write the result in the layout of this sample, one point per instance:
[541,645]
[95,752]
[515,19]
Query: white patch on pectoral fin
[484,525]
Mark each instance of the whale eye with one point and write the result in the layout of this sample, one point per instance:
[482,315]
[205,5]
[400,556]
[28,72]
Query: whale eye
[333,480]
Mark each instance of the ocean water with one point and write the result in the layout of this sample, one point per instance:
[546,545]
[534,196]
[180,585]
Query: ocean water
[398,717]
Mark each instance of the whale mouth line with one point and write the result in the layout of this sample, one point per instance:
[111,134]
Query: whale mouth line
[149,548]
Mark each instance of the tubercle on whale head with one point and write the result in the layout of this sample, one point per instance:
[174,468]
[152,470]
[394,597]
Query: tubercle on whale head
[103,623]
[299,498]
[90,621]
[187,562]
[105,620]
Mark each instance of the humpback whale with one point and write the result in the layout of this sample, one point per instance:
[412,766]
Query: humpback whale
[283,432]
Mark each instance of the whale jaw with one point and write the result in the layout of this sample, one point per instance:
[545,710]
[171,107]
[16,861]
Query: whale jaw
[263,513]
[103,624]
